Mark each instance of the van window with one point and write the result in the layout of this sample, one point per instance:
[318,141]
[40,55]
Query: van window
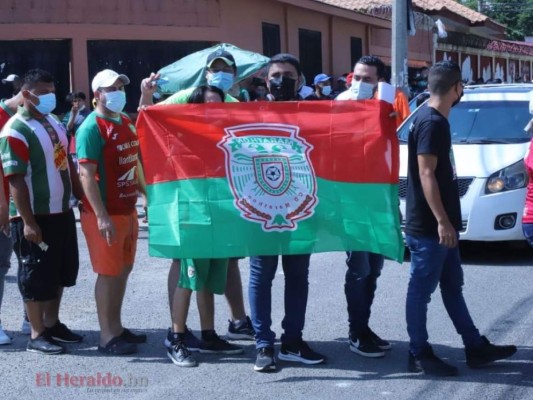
[475,122]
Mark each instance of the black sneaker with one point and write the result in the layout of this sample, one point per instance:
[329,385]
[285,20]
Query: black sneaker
[44,344]
[191,341]
[131,337]
[243,331]
[216,345]
[180,355]
[300,352]
[428,363]
[366,347]
[61,333]
[265,361]
[487,353]
[381,343]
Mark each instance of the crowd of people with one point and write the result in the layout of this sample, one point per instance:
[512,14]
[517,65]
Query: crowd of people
[41,176]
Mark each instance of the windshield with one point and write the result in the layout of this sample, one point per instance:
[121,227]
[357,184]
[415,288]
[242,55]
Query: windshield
[474,122]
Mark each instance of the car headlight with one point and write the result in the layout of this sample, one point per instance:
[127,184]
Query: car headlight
[510,178]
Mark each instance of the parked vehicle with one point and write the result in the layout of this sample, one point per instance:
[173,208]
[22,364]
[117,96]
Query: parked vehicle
[489,144]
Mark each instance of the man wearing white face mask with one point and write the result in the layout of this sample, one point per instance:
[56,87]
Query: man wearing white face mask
[368,72]
[108,148]
[41,177]
[364,268]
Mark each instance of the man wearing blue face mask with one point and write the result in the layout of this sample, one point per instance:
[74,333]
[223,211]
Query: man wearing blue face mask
[322,83]
[42,178]
[220,72]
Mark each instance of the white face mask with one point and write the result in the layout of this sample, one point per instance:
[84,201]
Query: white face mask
[115,101]
[362,90]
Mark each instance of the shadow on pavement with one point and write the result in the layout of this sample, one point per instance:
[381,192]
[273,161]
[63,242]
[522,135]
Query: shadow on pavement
[516,370]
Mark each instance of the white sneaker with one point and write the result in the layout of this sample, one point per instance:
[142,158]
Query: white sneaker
[4,339]
[26,327]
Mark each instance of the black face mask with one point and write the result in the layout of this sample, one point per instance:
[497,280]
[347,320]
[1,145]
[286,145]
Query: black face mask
[283,89]
[458,99]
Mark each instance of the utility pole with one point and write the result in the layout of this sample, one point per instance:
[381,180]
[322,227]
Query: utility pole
[399,78]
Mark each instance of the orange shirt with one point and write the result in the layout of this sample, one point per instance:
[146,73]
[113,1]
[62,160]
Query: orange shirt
[401,106]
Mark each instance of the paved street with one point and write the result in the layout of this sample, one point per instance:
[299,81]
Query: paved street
[498,291]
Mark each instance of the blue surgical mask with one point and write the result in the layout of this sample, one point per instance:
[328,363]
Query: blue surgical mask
[362,90]
[222,80]
[115,101]
[326,90]
[47,103]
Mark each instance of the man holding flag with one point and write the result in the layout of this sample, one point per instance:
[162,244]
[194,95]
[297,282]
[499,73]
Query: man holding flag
[221,70]
[284,73]
[270,178]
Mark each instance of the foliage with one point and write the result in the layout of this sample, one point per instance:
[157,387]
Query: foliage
[516,15]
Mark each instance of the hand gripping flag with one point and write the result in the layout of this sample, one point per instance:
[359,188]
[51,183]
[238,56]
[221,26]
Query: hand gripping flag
[230,180]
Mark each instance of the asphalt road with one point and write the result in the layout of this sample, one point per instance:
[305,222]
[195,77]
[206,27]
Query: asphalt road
[498,289]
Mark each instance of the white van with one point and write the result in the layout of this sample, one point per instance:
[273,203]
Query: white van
[489,144]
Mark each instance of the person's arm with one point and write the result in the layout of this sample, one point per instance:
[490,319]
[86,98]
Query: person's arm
[21,197]
[77,189]
[427,163]
[72,119]
[4,207]
[93,195]
[140,178]
[14,102]
[148,88]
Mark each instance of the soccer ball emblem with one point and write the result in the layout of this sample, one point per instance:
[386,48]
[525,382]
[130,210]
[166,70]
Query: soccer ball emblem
[273,173]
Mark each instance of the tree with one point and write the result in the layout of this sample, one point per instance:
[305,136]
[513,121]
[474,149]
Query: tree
[516,15]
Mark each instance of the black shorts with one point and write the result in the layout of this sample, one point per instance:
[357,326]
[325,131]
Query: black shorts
[42,273]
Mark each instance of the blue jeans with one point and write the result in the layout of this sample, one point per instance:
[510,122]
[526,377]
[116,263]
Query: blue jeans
[431,265]
[527,229]
[364,269]
[6,249]
[262,273]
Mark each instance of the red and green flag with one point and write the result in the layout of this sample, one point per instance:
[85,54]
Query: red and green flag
[243,179]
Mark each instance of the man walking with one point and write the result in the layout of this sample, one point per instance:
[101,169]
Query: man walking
[433,222]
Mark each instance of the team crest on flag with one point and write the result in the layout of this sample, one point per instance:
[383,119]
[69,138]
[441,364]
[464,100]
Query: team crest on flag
[270,174]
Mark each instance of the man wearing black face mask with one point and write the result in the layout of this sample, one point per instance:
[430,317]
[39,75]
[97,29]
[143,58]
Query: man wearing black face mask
[433,222]
[282,80]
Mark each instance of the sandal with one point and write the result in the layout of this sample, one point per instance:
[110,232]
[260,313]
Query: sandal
[118,346]
[131,337]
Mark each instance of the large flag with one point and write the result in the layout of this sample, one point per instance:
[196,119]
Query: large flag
[242,179]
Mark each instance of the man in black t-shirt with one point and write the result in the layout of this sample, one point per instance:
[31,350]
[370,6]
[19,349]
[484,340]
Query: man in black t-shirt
[433,222]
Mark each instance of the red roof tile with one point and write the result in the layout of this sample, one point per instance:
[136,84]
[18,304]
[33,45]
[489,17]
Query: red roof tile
[424,5]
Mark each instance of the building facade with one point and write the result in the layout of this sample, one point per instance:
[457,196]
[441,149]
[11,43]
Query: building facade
[75,38]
